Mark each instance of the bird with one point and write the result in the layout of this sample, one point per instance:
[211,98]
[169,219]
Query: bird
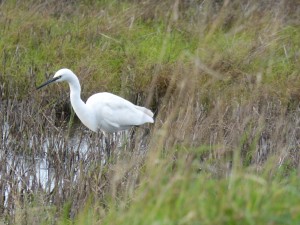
[102,111]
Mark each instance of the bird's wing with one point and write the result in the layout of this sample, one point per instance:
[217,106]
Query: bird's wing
[118,112]
[145,110]
[122,114]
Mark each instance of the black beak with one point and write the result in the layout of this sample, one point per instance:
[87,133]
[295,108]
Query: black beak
[47,82]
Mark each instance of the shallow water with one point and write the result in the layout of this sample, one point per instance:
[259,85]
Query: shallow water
[38,157]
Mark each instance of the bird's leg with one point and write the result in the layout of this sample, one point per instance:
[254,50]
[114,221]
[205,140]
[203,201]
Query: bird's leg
[132,138]
[112,144]
[102,143]
[107,146]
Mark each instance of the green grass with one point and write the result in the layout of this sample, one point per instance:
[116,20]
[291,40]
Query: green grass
[103,47]
[187,196]
[84,43]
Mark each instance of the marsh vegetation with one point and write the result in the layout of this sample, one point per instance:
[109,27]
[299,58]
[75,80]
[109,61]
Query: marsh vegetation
[222,78]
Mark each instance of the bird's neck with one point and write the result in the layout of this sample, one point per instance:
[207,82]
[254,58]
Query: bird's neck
[75,92]
[75,88]
[81,109]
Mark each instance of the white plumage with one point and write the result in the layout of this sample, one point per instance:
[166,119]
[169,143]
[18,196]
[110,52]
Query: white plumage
[102,111]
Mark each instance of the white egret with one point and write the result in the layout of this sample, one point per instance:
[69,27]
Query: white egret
[102,111]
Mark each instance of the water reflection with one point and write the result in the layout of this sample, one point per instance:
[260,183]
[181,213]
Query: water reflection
[52,163]
[42,158]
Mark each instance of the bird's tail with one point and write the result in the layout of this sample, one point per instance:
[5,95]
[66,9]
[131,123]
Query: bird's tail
[145,110]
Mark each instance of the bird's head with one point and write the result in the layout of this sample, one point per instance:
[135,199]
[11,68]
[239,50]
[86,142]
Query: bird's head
[59,76]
